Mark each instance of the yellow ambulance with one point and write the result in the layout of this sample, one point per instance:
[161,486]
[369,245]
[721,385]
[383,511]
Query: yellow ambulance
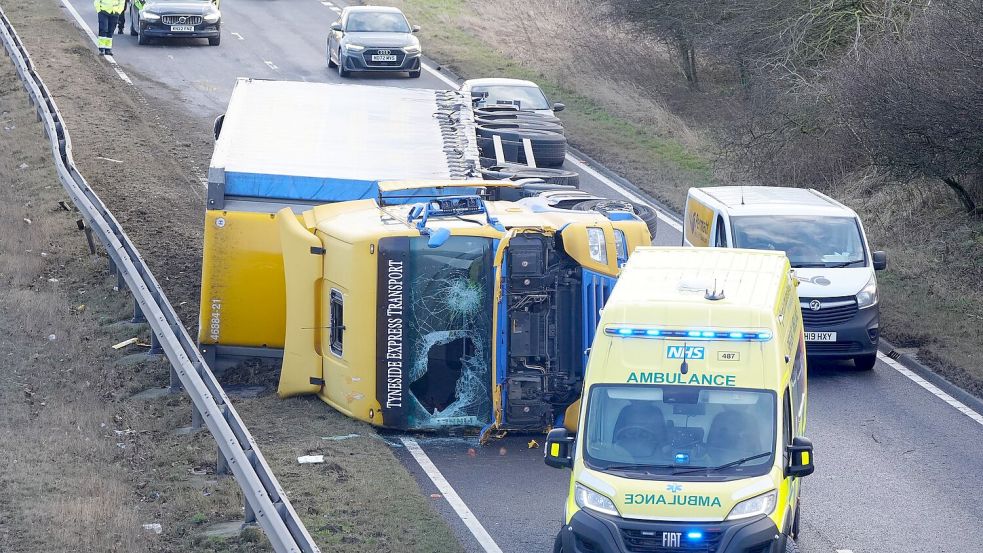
[690,432]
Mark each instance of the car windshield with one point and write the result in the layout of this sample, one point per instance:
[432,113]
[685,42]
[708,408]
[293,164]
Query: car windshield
[807,241]
[671,430]
[377,22]
[527,97]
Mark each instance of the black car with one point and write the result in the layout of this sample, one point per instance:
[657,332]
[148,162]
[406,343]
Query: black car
[176,19]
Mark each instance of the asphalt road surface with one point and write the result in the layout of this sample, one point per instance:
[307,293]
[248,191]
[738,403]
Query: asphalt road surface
[898,470]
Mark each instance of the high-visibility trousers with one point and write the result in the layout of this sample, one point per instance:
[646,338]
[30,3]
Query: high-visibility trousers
[107,24]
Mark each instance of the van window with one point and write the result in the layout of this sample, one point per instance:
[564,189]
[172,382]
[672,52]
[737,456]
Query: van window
[808,241]
[652,431]
[720,238]
[337,321]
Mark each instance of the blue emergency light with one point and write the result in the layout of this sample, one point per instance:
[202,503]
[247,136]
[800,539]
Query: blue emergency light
[626,331]
[694,536]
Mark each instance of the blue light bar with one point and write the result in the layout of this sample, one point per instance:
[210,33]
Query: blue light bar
[627,331]
[694,535]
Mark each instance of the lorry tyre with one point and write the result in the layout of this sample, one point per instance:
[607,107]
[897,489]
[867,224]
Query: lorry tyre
[645,213]
[214,40]
[490,127]
[510,115]
[515,172]
[217,126]
[496,109]
[537,136]
[865,362]
[547,154]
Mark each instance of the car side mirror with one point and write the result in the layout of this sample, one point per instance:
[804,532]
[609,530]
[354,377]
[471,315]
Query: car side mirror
[799,458]
[559,107]
[557,451]
[880,261]
[416,28]
[336,26]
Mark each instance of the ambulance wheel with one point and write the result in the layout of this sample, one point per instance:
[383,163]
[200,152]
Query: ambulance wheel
[795,523]
[865,362]
[558,543]
[791,546]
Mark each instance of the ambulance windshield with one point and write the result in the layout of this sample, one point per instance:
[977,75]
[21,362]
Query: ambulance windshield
[659,431]
[807,241]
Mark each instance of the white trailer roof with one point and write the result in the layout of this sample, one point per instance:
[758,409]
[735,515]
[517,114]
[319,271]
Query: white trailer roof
[333,142]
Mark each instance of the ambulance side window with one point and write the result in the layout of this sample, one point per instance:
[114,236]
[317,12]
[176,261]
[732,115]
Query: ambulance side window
[787,419]
[798,384]
[720,236]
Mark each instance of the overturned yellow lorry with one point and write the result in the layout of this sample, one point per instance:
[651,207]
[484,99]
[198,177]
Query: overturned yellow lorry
[411,302]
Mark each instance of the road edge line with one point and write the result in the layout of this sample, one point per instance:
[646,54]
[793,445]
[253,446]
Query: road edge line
[92,38]
[932,382]
[455,501]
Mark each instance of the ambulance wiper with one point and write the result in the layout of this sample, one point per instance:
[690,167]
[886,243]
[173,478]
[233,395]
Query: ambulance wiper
[639,466]
[723,466]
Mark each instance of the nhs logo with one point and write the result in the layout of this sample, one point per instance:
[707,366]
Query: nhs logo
[685,352]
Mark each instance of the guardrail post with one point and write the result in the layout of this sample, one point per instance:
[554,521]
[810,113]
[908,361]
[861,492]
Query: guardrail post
[138,316]
[248,514]
[197,421]
[222,465]
[120,283]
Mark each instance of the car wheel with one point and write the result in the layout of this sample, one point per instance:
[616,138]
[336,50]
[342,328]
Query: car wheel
[342,72]
[644,213]
[415,74]
[214,40]
[142,39]
[865,362]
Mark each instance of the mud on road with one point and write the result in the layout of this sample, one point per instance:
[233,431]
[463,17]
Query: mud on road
[145,158]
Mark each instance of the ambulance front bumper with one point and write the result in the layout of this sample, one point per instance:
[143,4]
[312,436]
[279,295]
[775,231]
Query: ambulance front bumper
[590,532]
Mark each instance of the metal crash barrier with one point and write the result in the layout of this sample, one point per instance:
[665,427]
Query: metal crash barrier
[266,503]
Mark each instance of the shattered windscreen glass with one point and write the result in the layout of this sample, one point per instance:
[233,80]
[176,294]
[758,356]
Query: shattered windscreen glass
[435,332]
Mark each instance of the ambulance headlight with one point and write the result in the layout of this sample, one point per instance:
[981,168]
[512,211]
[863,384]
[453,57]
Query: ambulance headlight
[587,498]
[597,245]
[867,296]
[761,505]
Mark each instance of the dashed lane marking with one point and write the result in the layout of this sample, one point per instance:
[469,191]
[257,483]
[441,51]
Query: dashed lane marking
[237,35]
[92,37]
[271,65]
[455,501]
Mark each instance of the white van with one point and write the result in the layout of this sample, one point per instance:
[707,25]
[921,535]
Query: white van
[826,245]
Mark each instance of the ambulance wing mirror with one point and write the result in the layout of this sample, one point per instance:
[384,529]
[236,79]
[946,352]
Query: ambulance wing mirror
[799,458]
[559,443]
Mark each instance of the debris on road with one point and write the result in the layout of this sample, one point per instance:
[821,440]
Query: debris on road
[533,444]
[340,438]
[154,527]
[125,343]
[310,459]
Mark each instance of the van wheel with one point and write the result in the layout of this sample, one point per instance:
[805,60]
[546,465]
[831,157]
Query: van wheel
[790,545]
[865,362]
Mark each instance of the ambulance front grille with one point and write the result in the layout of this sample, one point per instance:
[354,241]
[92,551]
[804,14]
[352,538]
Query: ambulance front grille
[645,541]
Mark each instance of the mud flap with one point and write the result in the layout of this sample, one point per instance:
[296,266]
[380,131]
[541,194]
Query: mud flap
[303,269]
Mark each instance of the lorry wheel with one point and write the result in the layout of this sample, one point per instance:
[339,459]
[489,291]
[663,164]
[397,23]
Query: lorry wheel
[865,362]
[646,214]
[514,172]
[487,128]
[214,41]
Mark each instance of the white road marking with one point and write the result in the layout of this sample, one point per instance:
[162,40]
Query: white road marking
[237,35]
[109,159]
[844,551]
[92,37]
[335,9]
[932,388]
[271,65]
[455,501]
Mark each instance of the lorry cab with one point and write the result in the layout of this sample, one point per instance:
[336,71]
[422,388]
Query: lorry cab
[826,245]
[690,432]
[456,310]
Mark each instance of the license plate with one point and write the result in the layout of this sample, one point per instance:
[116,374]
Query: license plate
[820,336]
[182,28]
[383,58]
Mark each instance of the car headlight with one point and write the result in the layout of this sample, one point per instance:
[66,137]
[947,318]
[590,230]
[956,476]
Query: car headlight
[354,47]
[867,296]
[213,17]
[761,505]
[597,245]
[587,498]
[412,49]
[149,16]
